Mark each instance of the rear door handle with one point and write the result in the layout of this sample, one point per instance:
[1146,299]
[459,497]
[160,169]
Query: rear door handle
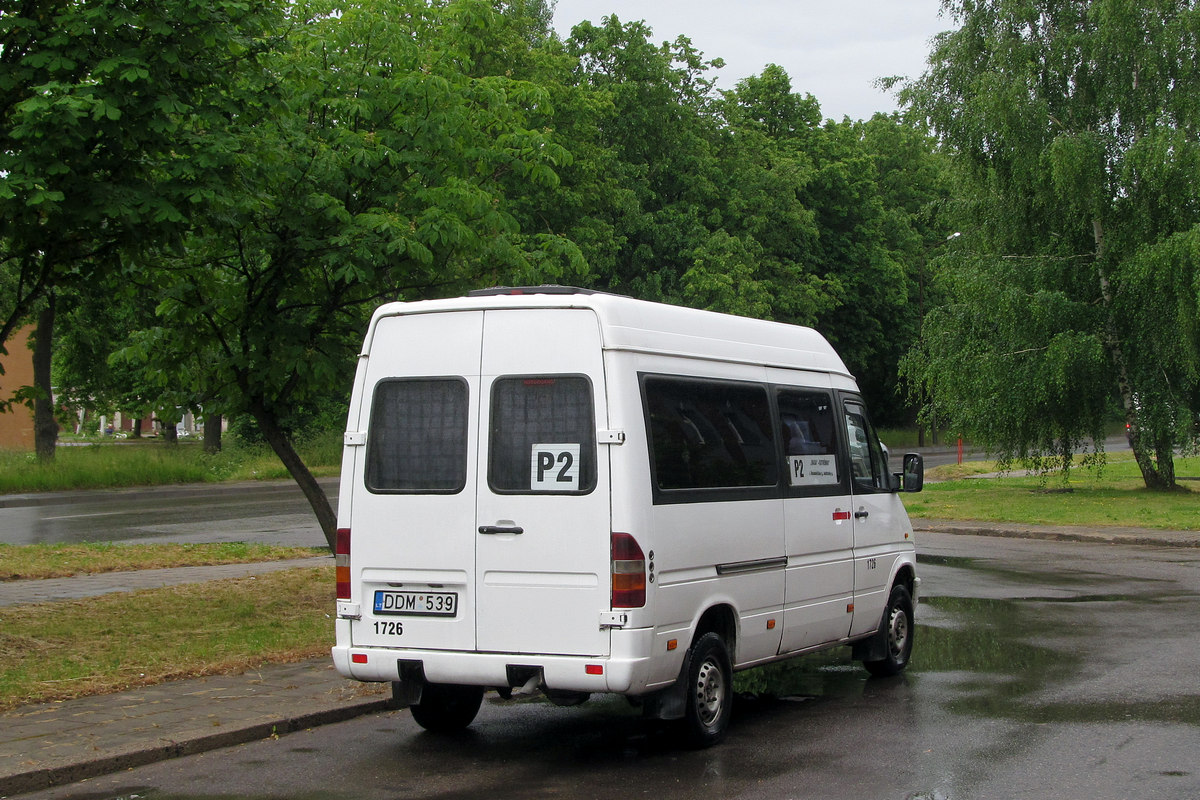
[861,514]
[492,530]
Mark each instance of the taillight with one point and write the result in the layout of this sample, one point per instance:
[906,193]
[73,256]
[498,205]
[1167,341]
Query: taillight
[628,572]
[341,562]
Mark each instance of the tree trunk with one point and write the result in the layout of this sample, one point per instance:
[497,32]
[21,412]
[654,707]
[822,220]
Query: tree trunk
[212,433]
[279,442]
[1158,476]
[170,432]
[45,427]
[137,429]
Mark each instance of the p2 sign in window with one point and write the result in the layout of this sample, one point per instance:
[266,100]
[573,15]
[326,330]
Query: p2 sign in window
[543,435]
[554,468]
[813,470]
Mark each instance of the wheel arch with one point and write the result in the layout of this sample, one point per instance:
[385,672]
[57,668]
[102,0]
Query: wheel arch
[720,619]
[906,576]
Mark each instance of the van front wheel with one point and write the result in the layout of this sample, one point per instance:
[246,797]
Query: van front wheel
[709,692]
[896,634]
[445,708]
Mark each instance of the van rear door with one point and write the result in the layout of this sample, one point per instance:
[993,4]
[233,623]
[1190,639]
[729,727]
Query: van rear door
[413,525]
[542,526]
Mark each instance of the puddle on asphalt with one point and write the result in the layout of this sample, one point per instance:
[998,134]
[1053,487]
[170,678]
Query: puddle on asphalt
[993,644]
[962,562]
[998,569]
[995,650]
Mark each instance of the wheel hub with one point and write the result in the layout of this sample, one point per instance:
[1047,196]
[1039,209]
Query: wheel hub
[710,692]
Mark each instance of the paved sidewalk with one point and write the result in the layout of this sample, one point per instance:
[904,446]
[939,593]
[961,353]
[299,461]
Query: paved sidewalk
[49,589]
[50,744]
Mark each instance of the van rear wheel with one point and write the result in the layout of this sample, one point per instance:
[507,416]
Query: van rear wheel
[445,707]
[709,692]
[896,633]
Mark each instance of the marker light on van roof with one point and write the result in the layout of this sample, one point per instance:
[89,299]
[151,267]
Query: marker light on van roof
[628,572]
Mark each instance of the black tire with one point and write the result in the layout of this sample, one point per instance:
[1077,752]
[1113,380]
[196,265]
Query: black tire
[709,692]
[896,635]
[445,708]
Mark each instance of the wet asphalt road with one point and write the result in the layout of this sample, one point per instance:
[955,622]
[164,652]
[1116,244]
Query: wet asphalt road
[270,513]
[1041,670]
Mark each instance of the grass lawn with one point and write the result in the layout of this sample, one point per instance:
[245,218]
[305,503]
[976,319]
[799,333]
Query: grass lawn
[1112,496]
[131,462]
[56,651]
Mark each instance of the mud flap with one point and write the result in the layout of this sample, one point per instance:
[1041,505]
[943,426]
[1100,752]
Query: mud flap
[669,703]
[408,690]
[873,648]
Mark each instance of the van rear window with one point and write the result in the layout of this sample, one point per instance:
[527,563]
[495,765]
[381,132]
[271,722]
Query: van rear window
[418,436]
[543,435]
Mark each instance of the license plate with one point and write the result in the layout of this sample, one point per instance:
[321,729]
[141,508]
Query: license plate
[416,604]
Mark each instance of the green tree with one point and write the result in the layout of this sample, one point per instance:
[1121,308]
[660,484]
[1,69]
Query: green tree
[644,182]
[378,175]
[1076,126]
[110,112]
[845,214]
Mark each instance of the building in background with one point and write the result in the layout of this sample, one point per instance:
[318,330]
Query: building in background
[16,425]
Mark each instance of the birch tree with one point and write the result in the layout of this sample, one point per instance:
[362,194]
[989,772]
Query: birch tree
[1077,129]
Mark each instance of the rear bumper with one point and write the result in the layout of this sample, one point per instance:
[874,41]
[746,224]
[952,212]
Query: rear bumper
[625,671]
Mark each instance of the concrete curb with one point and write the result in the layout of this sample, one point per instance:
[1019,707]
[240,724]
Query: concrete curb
[1144,537]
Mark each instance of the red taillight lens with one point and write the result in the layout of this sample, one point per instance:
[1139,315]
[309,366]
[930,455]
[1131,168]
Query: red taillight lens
[341,562]
[628,572]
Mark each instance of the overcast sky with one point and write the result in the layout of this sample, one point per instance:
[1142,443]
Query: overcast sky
[832,49]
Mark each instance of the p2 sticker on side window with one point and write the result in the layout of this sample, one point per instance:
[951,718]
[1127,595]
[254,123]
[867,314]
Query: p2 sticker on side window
[812,470]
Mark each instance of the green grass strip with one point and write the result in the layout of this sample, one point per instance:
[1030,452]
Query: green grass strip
[62,650]
[1108,497]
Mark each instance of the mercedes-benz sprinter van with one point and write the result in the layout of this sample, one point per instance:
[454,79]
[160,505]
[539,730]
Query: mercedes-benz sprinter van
[574,492]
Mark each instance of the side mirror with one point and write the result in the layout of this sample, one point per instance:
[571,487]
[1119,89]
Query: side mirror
[913,479]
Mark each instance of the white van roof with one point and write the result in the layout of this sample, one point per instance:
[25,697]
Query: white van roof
[658,328]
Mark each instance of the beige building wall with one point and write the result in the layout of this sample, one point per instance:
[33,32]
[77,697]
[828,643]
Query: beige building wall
[16,426]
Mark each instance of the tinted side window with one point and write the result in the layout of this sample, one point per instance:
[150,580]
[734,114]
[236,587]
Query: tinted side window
[418,436]
[808,427]
[708,435]
[543,435]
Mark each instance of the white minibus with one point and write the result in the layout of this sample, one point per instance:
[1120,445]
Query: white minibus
[556,490]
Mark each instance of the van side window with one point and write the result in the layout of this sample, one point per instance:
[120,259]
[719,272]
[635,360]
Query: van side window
[709,435]
[417,441]
[866,456]
[543,435]
[808,428]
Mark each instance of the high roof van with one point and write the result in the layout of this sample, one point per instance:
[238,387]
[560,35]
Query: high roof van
[570,492]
